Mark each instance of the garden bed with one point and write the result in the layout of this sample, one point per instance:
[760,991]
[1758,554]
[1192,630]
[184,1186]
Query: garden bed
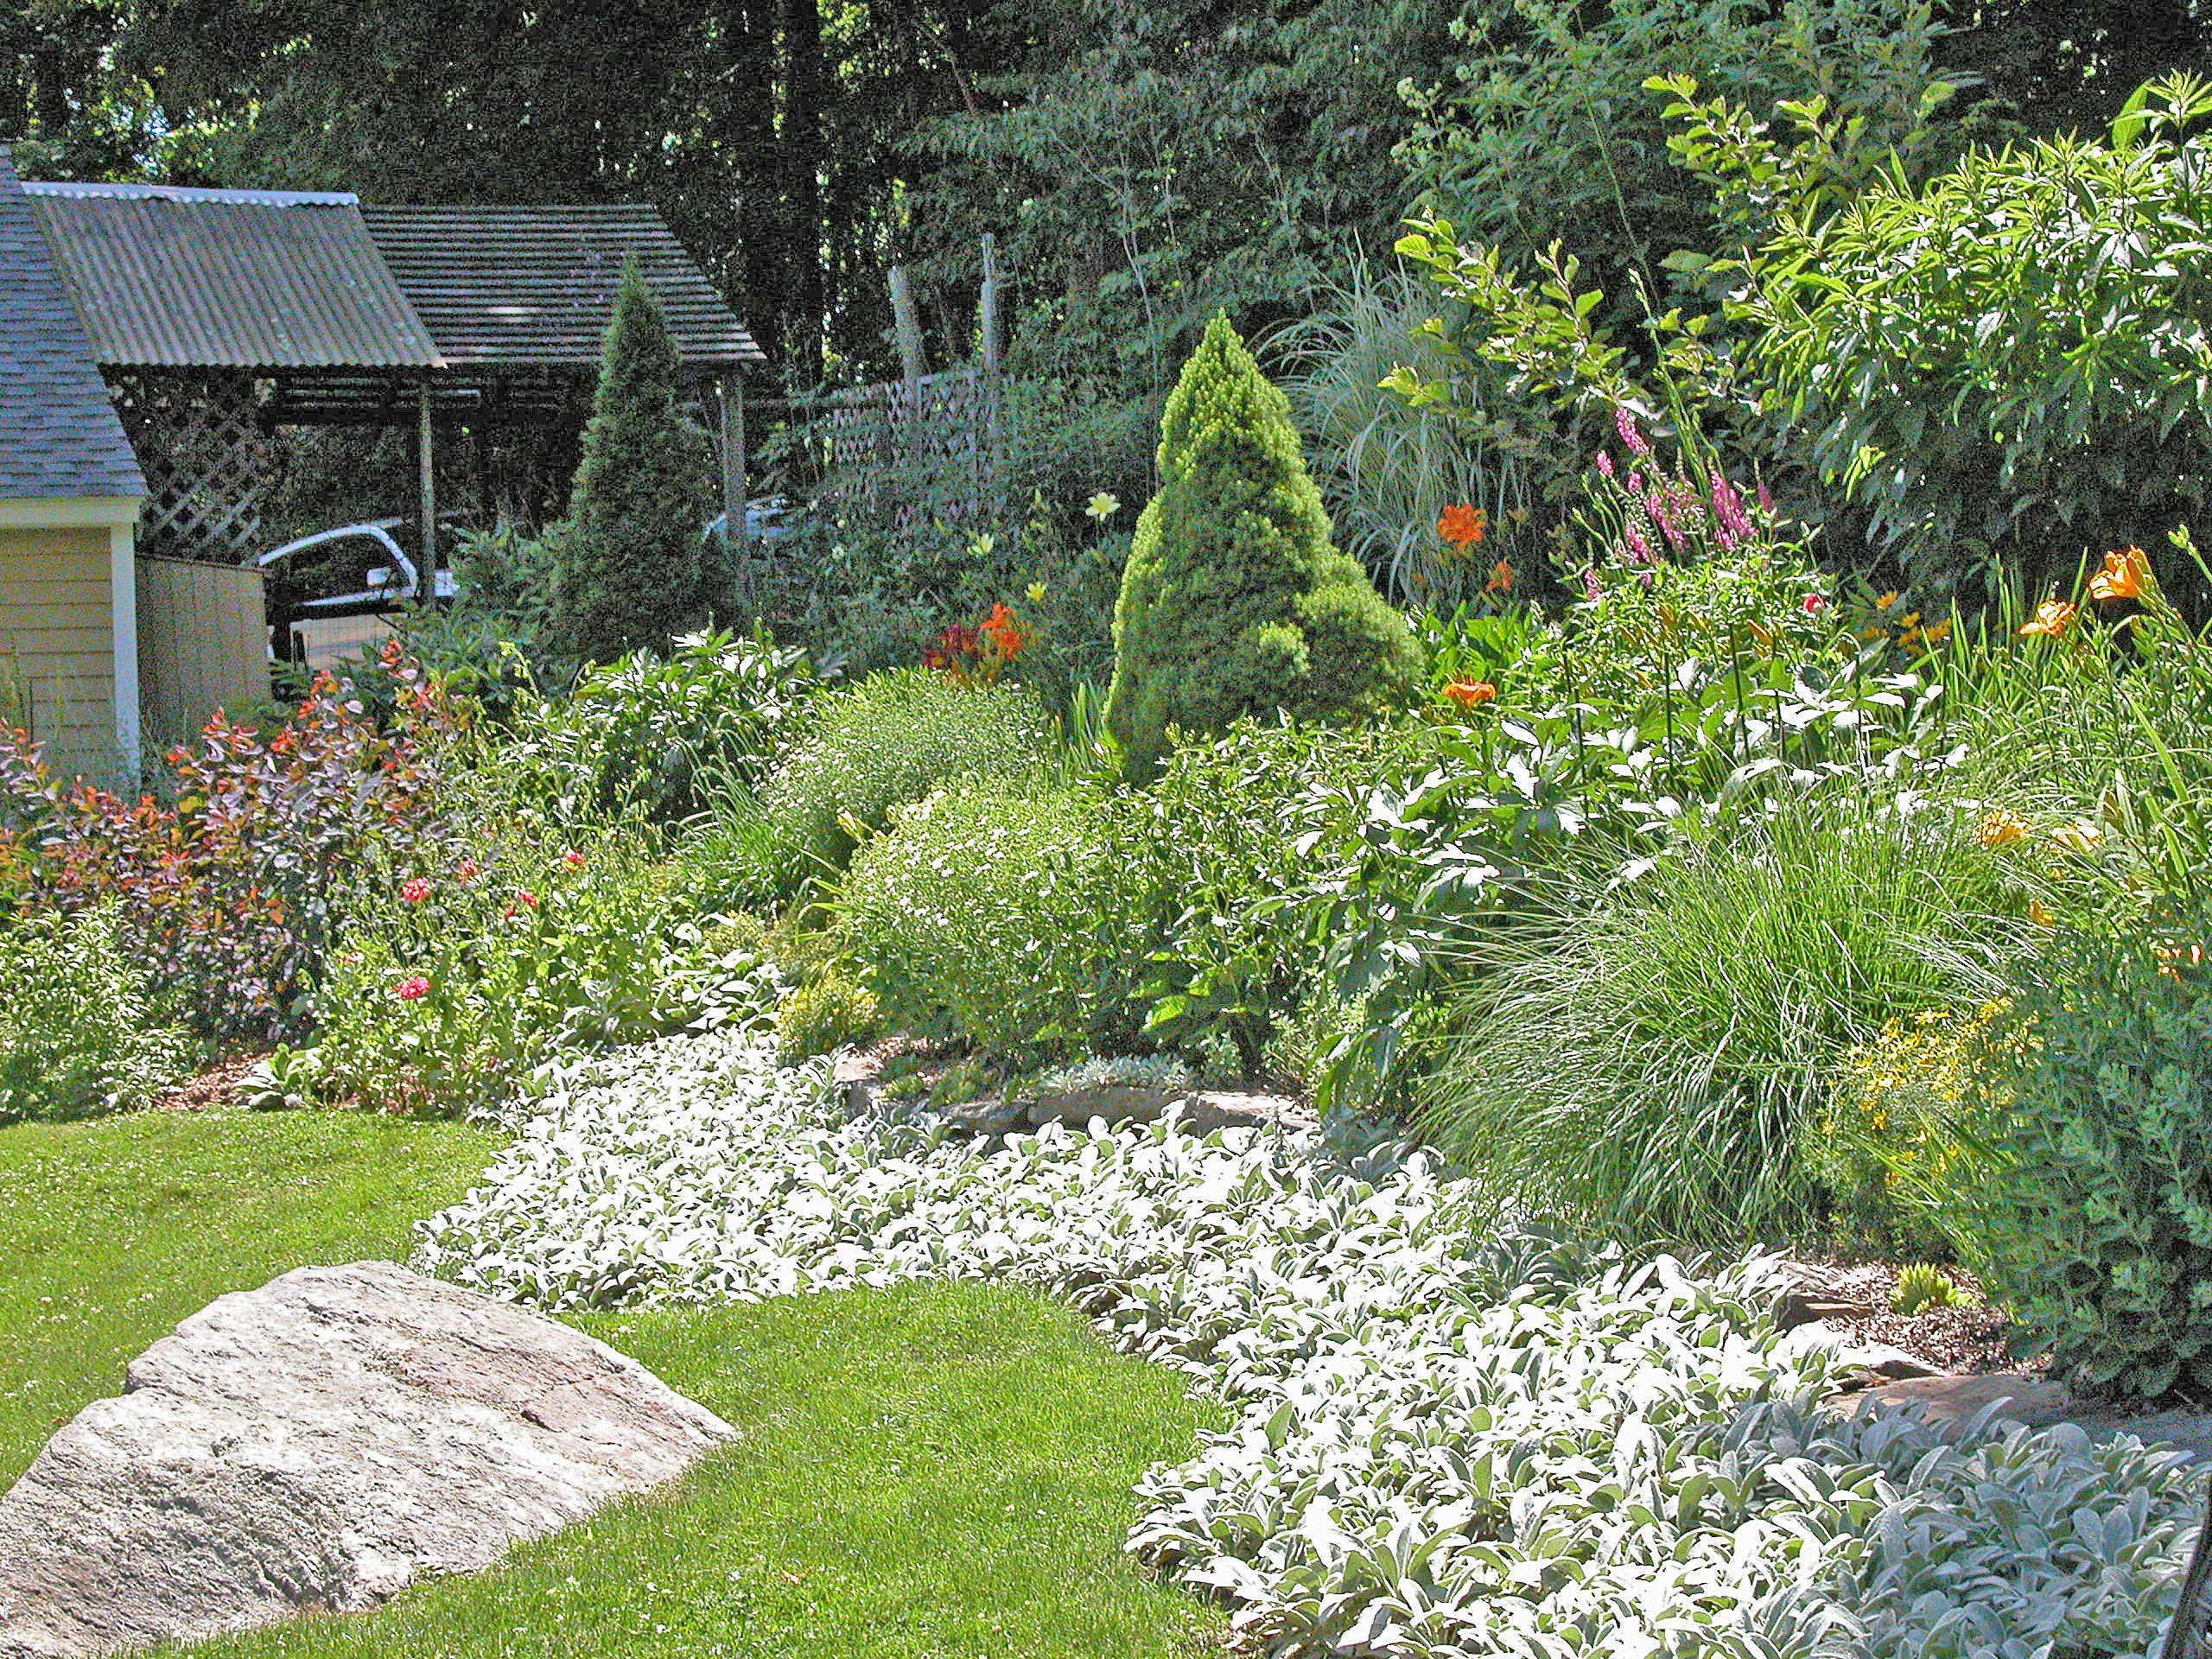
[1448,1440]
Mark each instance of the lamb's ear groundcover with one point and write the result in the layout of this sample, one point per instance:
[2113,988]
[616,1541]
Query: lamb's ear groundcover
[1452,1440]
[1235,600]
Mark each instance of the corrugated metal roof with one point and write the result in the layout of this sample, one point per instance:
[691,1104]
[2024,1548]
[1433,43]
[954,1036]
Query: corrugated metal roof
[171,279]
[59,434]
[536,285]
[102,189]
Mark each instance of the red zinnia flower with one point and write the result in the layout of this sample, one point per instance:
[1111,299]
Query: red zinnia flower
[573,859]
[1813,604]
[414,889]
[412,987]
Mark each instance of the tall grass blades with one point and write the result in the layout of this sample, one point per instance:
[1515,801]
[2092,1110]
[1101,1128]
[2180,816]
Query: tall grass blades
[1387,468]
[1656,1063]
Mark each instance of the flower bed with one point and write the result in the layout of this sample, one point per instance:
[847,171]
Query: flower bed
[1452,1441]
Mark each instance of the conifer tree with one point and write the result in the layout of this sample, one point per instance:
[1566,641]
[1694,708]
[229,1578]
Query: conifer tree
[1235,600]
[632,570]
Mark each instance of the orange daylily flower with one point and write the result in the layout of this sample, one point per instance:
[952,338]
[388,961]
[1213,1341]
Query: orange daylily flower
[2001,829]
[1468,693]
[2125,570]
[1501,579]
[2050,620]
[1463,526]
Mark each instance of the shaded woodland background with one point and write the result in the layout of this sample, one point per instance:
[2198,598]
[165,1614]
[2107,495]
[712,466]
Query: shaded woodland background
[1141,163]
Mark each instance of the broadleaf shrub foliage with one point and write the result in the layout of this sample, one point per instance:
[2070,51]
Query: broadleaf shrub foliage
[888,740]
[228,895]
[80,1030]
[2094,1218]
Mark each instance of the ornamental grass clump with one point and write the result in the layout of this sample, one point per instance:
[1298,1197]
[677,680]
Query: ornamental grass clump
[1658,1064]
[1235,600]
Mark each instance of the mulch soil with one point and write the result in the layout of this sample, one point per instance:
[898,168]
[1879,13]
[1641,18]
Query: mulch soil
[211,1087]
[1971,1340]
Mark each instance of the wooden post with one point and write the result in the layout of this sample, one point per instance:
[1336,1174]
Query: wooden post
[427,455]
[735,533]
[910,332]
[987,305]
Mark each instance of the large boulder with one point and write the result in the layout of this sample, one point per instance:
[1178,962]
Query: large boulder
[316,1446]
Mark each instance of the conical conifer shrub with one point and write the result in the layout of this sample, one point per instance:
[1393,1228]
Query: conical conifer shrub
[1235,600]
[632,569]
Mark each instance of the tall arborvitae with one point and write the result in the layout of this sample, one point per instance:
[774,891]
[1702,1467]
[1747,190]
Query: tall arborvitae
[1235,600]
[633,569]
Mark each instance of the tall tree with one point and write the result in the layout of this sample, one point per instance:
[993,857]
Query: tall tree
[631,570]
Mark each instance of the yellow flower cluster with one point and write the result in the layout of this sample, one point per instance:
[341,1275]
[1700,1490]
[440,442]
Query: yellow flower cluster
[1900,1097]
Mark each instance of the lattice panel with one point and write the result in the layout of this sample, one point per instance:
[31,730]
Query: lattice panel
[209,465]
[927,450]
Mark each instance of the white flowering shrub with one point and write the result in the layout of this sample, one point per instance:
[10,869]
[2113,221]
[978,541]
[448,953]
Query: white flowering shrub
[1452,1441]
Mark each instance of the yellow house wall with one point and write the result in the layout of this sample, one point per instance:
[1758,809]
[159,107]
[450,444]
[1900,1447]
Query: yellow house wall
[57,642]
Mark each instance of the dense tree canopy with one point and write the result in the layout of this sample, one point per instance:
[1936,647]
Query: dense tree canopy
[1142,161]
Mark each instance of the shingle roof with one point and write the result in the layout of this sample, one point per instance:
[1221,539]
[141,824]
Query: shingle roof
[59,434]
[535,286]
[246,279]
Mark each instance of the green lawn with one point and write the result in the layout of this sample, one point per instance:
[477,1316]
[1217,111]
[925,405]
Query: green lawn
[937,1472]
[112,1231]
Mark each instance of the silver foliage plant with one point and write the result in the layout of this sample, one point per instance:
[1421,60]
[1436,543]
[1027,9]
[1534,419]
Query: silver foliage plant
[1452,1441]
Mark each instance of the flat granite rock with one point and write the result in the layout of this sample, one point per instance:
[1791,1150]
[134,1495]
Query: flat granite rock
[317,1445]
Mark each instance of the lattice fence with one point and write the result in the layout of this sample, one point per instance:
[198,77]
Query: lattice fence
[209,464]
[910,450]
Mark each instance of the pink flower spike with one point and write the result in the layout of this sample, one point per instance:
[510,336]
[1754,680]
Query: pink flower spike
[1624,423]
[1606,463]
[1590,585]
[1766,501]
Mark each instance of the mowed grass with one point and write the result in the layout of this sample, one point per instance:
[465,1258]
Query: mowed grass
[938,1472]
[112,1231]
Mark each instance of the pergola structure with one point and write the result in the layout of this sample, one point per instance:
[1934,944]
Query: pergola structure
[218,315]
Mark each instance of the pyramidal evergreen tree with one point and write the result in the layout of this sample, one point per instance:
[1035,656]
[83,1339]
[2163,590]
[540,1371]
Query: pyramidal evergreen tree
[632,570]
[1235,600]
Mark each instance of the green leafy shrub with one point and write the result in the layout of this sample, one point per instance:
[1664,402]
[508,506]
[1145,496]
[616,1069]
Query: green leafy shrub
[659,732]
[2013,349]
[1234,601]
[80,1030]
[1658,1061]
[1211,863]
[972,919]
[2092,1218]
[633,566]
[887,740]
[824,1013]
[1543,132]
[230,896]
[452,982]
